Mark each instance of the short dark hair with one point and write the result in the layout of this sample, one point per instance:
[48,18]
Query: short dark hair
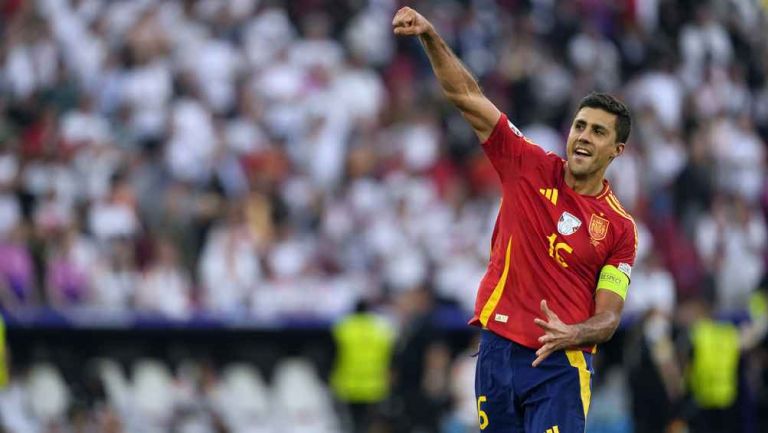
[606,102]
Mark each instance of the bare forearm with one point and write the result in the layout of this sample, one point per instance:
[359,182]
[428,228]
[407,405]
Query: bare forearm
[456,81]
[595,330]
[458,84]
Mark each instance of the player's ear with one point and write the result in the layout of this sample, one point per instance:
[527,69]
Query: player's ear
[618,149]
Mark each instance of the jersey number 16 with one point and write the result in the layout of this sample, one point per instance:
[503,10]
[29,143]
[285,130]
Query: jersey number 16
[555,249]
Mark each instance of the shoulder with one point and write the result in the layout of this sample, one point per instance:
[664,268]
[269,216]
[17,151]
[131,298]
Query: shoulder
[619,216]
[506,131]
[511,151]
[616,210]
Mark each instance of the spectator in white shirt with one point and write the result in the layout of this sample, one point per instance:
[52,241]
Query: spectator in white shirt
[165,288]
[116,215]
[229,267]
[114,280]
[732,242]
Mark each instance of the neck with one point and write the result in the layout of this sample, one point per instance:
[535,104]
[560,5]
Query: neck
[585,185]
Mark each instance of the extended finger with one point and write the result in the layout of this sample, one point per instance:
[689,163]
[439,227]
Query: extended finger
[545,308]
[549,347]
[406,31]
[542,324]
[541,357]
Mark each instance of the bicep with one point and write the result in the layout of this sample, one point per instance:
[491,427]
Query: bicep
[481,114]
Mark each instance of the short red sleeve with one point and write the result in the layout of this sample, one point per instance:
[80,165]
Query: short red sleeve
[508,149]
[623,255]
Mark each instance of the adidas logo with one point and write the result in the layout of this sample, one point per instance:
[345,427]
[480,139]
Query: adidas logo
[550,194]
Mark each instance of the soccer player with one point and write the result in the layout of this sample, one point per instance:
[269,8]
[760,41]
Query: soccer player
[562,252]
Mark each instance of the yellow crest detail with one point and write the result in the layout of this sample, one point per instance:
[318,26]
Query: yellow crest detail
[598,227]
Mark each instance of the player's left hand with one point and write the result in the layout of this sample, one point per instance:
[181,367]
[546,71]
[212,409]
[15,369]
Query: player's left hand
[557,335]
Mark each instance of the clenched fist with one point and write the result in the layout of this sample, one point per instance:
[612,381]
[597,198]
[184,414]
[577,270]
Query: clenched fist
[408,22]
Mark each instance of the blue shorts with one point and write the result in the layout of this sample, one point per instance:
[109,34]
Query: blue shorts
[513,397]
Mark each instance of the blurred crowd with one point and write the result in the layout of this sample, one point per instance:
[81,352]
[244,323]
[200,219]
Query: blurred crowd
[267,159]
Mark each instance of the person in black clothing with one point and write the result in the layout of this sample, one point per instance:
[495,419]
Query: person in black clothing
[693,189]
[420,366]
[655,380]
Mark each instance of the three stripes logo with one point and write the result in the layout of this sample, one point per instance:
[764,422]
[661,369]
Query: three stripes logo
[550,194]
[554,429]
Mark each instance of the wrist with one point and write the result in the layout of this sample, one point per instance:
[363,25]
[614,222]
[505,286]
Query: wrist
[577,335]
[430,32]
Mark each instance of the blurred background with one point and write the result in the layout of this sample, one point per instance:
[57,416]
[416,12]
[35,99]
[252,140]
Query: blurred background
[262,216]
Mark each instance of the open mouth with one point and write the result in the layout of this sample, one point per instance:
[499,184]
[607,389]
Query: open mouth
[582,152]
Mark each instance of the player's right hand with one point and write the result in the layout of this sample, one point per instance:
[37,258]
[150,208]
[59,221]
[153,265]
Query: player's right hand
[408,22]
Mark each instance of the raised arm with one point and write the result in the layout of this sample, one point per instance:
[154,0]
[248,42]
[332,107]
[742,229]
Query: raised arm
[458,84]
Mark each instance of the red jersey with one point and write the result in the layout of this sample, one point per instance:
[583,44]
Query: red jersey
[549,242]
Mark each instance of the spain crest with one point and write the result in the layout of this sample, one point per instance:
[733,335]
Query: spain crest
[598,227]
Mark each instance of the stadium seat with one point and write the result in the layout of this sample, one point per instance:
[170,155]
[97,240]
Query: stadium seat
[48,394]
[115,384]
[153,393]
[242,400]
[14,408]
[302,398]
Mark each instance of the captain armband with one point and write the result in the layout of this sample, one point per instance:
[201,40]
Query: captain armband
[611,278]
